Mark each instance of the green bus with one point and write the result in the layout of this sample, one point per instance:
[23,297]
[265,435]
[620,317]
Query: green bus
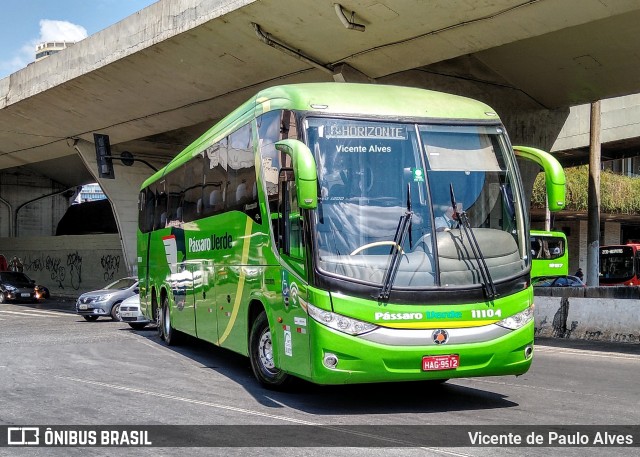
[549,254]
[302,230]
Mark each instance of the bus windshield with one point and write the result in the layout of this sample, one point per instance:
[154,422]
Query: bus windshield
[372,173]
[549,254]
[616,264]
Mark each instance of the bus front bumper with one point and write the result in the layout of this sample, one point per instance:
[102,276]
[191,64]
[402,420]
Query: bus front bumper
[361,361]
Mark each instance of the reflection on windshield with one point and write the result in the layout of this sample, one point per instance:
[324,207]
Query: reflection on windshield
[364,169]
[547,248]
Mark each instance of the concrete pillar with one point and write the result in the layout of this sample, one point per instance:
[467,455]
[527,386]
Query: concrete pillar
[122,193]
[593,229]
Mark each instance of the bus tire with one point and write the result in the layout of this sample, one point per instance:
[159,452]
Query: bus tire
[261,355]
[171,335]
[157,311]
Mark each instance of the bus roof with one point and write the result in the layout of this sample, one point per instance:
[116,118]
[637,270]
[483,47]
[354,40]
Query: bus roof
[551,233]
[370,100]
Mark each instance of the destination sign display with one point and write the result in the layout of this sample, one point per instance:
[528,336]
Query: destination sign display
[367,131]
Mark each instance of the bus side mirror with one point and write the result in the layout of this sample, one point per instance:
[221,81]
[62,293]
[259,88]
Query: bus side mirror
[553,174]
[304,167]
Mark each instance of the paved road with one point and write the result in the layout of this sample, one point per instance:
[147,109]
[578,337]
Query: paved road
[55,368]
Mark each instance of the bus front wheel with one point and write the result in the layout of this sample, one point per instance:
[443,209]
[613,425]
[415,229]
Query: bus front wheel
[261,355]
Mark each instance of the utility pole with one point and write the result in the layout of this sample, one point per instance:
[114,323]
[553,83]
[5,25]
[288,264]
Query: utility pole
[593,215]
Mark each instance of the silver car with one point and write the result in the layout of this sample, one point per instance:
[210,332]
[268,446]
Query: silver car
[106,302]
[131,314]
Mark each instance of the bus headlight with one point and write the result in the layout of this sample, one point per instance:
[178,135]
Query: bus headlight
[517,320]
[339,322]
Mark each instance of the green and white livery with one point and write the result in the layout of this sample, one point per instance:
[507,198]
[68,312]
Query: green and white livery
[303,230]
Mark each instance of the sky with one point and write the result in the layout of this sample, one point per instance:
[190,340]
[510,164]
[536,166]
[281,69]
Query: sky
[25,23]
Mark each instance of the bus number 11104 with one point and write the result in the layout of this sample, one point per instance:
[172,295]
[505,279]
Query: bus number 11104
[485,313]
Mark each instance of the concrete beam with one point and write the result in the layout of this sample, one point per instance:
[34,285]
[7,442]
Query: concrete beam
[344,73]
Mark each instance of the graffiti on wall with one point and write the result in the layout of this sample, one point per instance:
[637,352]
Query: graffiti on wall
[69,265]
[63,272]
[74,262]
[110,265]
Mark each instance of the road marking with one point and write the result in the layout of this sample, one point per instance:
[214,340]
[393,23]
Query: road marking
[188,400]
[30,313]
[20,314]
[585,352]
[55,312]
[255,413]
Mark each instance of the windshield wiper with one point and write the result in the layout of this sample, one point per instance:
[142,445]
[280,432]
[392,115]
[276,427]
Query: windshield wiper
[404,226]
[487,282]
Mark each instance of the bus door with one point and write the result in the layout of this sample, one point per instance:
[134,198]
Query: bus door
[181,281]
[204,296]
[293,339]
[229,279]
[146,207]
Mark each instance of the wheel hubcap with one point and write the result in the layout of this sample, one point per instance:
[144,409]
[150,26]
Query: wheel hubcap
[159,325]
[265,351]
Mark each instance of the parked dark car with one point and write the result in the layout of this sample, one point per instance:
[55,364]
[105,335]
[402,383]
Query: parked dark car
[17,286]
[560,281]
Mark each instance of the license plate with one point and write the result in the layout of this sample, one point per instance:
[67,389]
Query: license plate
[440,362]
[127,314]
[82,307]
[25,295]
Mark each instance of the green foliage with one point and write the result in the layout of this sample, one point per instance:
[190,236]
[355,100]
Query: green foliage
[618,194]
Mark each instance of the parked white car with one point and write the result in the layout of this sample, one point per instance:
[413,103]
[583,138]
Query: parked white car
[131,314]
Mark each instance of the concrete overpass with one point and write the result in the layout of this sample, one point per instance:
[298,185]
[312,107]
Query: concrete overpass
[620,131]
[157,79]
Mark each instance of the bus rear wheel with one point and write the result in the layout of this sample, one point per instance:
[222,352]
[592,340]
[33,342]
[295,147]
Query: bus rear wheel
[157,313]
[169,334]
[261,355]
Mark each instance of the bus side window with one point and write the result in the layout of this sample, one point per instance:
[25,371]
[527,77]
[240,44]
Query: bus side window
[272,126]
[215,178]
[192,204]
[242,192]
[289,128]
[175,184]
[290,232]
[160,210]
[296,240]
[147,204]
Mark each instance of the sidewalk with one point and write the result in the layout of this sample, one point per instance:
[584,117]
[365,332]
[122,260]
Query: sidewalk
[589,345]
